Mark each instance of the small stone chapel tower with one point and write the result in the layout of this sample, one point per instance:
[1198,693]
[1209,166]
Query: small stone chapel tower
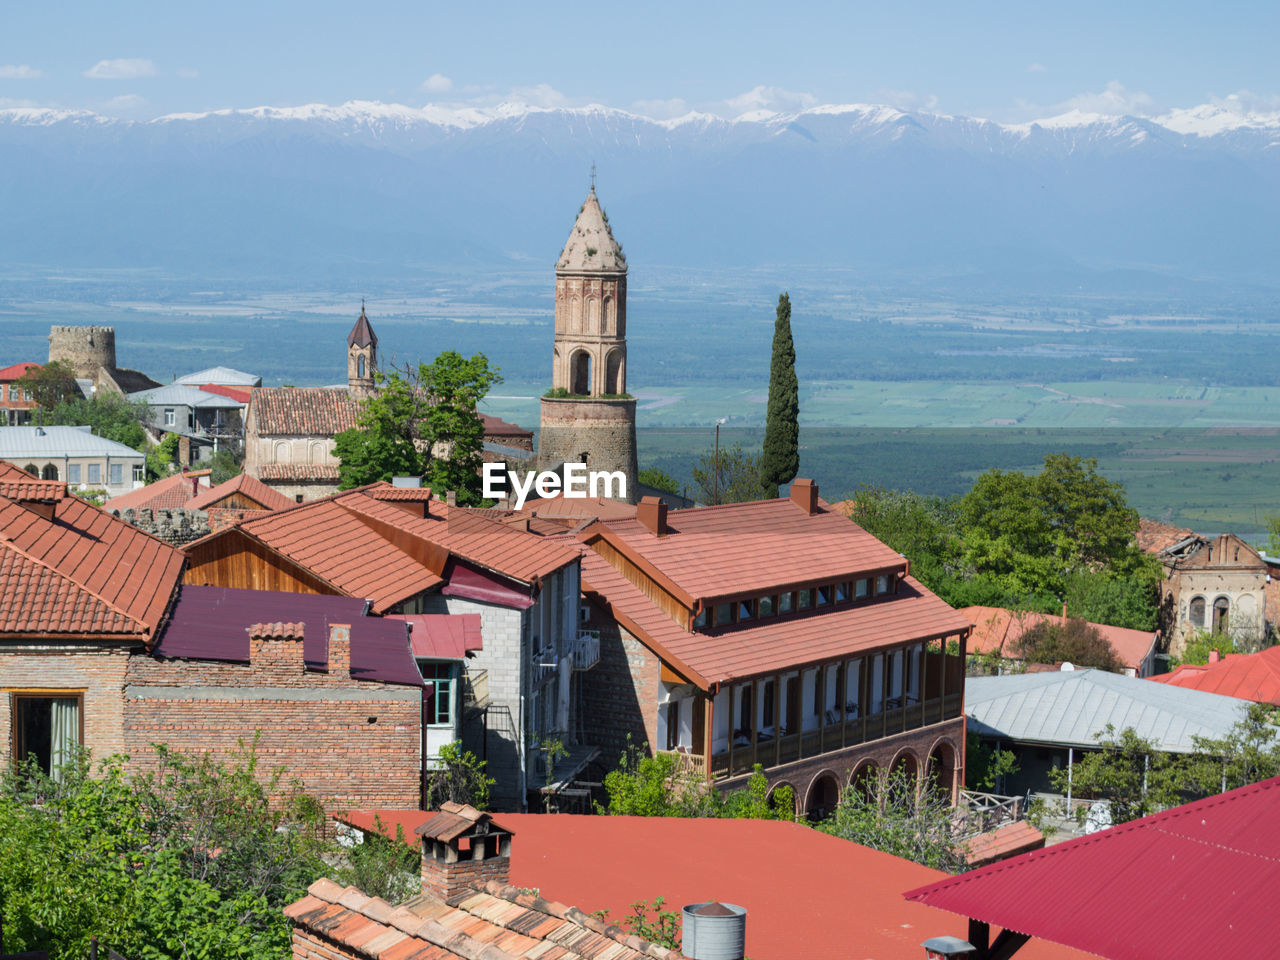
[362,357]
[589,418]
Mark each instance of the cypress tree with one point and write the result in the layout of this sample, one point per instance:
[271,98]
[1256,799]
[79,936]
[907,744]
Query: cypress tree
[781,457]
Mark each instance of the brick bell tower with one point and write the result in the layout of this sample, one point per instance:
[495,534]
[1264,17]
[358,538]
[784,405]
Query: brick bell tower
[589,417]
[362,357]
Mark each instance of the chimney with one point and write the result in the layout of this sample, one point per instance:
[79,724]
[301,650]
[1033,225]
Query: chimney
[714,931]
[195,486]
[1064,613]
[1214,656]
[451,497]
[462,850]
[804,494]
[652,514]
[339,650]
[277,646]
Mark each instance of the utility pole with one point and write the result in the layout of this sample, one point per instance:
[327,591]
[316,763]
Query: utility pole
[716,483]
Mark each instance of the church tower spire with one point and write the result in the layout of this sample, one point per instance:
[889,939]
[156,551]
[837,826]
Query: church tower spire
[362,357]
[589,417]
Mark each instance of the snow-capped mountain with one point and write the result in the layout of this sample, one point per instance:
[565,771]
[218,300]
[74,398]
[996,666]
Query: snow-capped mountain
[387,188]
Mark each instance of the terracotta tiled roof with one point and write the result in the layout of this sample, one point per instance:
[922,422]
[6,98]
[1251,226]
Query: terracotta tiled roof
[303,411]
[171,493]
[997,630]
[17,484]
[767,646]
[751,547]
[395,494]
[364,547]
[601,508]
[496,923]
[298,472]
[16,371]
[497,427]
[1155,536]
[247,486]
[1253,676]
[82,573]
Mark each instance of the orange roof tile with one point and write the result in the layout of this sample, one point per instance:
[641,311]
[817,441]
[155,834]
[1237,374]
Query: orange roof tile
[17,484]
[1155,536]
[997,630]
[303,411]
[298,472]
[767,646]
[741,548]
[82,573]
[170,493]
[1252,676]
[247,486]
[601,508]
[16,371]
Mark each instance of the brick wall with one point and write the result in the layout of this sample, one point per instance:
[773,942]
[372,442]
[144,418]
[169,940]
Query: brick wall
[351,743]
[620,693]
[442,879]
[98,671]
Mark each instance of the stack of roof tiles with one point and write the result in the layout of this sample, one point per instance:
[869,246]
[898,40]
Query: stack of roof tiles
[496,923]
[69,570]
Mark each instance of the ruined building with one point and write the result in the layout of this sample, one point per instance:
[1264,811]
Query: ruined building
[91,354]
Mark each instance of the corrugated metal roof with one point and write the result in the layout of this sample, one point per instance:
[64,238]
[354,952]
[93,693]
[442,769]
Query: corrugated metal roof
[1194,881]
[751,547]
[1072,707]
[222,376]
[442,636]
[33,442]
[180,394]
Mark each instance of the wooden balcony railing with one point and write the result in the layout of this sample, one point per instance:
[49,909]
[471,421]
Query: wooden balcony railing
[771,752]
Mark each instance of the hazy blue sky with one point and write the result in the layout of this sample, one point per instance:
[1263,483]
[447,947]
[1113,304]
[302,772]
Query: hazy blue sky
[1008,61]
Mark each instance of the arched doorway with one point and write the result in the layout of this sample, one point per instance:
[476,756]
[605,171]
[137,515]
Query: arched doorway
[580,373]
[50,472]
[942,769]
[905,767]
[784,795]
[824,796]
[863,779]
[613,373]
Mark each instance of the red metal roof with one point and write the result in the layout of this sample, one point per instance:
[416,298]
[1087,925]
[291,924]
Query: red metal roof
[1193,881]
[238,394]
[1252,676]
[170,493]
[766,646]
[807,894]
[997,630]
[751,547]
[16,371]
[247,486]
[442,636]
[82,573]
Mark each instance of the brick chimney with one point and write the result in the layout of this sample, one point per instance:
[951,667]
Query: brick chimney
[804,494]
[277,646]
[462,850]
[339,650]
[1214,656]
[652,514]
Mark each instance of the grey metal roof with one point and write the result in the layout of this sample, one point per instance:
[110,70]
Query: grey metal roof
[182,394]
[223,377]
[1071,707]
[19,442]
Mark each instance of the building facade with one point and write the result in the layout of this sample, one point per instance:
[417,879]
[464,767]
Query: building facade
[16,403]
[75,456]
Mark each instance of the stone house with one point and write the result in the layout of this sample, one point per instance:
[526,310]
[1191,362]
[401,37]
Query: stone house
[1211,584]
[409,555]
[75,456]
[777,633]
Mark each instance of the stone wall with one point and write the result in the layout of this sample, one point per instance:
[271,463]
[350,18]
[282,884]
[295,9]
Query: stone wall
[96,670]
[352,743]
[178,527]
[620,694]
[601,433]
[86,349]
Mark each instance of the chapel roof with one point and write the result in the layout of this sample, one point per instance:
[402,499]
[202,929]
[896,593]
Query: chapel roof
[591,247]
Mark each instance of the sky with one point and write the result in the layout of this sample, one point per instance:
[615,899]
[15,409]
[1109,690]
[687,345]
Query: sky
[1006,61]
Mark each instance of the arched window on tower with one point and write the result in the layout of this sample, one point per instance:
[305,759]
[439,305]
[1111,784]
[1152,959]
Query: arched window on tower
[610,319]
[613,372]
[360,367]
[1221,608]
[593,315]
[1196,612]
[581,373]
[50,472]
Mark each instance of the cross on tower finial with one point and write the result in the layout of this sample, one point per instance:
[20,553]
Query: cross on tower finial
[362,304]
[593,176]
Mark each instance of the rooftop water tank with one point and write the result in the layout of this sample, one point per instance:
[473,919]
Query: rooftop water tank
[714,931]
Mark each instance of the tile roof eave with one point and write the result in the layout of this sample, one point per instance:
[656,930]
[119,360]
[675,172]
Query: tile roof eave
[600,531]
[647,639]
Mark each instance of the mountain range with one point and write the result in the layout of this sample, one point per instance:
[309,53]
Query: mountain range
[372,189]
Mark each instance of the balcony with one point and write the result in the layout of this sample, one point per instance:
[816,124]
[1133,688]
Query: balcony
[584,649]
[834,734]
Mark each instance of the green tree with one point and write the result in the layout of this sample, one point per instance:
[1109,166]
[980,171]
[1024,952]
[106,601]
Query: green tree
[1076,642]
[896,816]
[162,457]
[224,465]
[110,416]
[379,866]
[659,480]
[925,530]
[50,385]
[1273,535]
[458,775]
[984,765]
[780,459]
[1201,643]
[454,385]
[736,481]
[384,442]
[1129,771]
[1248,753]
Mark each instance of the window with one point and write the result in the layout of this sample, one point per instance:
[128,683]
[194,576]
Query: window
[360,366]
[804,599]
[882,584]
[137,473]
[766,705]
[297,498]
[1221,606]
[117,474]
[73,473]
[438,704]
[822,596]
[817,693]
[744,610]
[863,588]
[50,472]
[745,724]
[169,418]
[95,473]
[786,603]
[46,729]
[768,606]
[724,614]
[842,592]
[673,724]
[1197,611]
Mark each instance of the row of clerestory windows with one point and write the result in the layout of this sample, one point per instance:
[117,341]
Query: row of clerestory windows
[769,605]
